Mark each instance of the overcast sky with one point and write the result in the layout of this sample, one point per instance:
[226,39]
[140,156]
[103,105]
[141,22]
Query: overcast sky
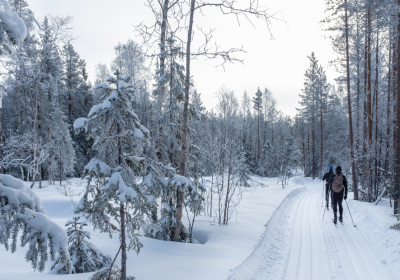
[278,64]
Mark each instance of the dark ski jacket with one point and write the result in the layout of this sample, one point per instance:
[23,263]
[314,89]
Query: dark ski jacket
[327,176]
[344,183]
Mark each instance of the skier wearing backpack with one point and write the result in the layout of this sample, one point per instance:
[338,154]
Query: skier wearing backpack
[339,191]
[327,185]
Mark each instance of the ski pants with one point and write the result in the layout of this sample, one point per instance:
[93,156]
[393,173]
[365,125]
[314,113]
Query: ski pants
[327,191]
[337,199]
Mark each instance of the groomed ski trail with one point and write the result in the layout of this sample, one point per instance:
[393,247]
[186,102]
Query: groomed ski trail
[298,245]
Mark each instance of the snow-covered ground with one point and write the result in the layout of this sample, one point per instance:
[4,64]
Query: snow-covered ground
[295,244]
[299,244]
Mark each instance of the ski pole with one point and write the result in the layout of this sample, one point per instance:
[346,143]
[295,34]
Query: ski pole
[324,213]
[350,213]
[322,205]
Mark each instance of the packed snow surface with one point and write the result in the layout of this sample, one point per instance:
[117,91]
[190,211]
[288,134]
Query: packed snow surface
[301,242]
[276,234]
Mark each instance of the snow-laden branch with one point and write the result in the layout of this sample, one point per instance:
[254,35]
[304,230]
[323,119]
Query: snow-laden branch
[13,22]
[21,209]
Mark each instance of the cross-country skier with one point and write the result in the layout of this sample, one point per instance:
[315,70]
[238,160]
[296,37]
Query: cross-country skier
[327,185]
[339,191]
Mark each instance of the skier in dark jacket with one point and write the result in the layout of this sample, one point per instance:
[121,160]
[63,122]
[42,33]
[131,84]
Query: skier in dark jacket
[338,184]
[327,185]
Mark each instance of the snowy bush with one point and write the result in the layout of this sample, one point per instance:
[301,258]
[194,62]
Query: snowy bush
[397,216]
[287,160]
[85,256]
[167,225]
[21,209]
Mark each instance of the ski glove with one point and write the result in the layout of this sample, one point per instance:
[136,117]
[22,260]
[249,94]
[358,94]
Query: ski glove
[345,197]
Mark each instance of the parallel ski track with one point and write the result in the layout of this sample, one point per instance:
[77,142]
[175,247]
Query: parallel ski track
[357,259]
[326,251]
[314,248]
[363,260]
[307,258]
[334,263]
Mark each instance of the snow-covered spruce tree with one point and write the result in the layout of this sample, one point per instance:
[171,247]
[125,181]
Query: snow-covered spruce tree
[21,210]
[266,163]
[33,87]
[62,153]
[167,113]
[77,99]
[85,256]
[183,190]
[55,130]
[101,75]
[119,140]
[313,109]
[257,106]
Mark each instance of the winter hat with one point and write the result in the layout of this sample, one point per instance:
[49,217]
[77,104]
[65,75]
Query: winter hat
[331,167]
[338,169]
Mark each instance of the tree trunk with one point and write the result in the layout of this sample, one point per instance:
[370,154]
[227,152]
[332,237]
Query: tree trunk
[357,151]
[369,85]
[123,242]
[369,103]
[365,169]
[1,142]
[304,154]
[185,120]
[227,191]
[353,167]
[313,149]
[41,176]
[272,132]
[376,110]
[17,91]
[396,185]
[162,64]
[388,115]
[258,136]
[211,193]
[60,166]
[35,135]
[322,142]
[122,211]
[395,85]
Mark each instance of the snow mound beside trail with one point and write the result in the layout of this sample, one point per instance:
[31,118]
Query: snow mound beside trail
[297,180]
[268,259]
[383,240]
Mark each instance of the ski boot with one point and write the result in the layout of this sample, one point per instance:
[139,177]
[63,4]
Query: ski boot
[341,219]
[335,219]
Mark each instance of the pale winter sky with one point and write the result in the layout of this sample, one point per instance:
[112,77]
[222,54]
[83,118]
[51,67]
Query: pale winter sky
[278,64]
